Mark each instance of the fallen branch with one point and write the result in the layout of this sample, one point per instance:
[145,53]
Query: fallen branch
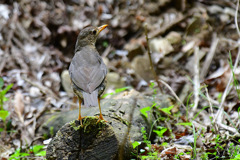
[150,60]
[196,79]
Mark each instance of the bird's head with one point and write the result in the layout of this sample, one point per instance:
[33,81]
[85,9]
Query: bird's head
[88,36]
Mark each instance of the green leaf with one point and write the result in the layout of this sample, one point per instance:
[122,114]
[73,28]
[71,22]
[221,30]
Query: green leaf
[105,44]
[167,110]
[164,144]
[37,148]
[1,83]
[135,144]
[4,114]
[5,99]
[18,155]
[151,85]
[1,129]
[160,131]
[118,90]
[237,156]
[107,94]
[41,153]
[185,124]
[7,89]
[145,110]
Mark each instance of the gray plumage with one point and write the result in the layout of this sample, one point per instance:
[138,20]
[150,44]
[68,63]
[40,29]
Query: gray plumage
[87,72]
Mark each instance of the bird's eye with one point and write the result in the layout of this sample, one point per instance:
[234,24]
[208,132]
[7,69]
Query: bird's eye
[94,32]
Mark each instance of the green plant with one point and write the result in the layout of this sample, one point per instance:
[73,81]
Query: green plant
[234,151]
[3,113]
[152,84]
[167,109]
[235,81]
[218,148]
[52,131]
[144,111]
[151,155]
[160,131]
[36,150]
[3,92]
[187,105]
[105,44]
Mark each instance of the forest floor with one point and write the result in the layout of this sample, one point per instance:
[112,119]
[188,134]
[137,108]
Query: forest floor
[194,49]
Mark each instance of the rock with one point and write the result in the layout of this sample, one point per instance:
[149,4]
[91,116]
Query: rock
[215,9]
[162,46]
[141,66]
[35,92]
[174,37]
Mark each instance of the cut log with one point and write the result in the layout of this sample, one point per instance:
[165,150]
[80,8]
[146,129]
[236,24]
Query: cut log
[119,110]
[92,141]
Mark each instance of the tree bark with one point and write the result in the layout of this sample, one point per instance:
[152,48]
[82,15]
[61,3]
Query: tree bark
[92,141]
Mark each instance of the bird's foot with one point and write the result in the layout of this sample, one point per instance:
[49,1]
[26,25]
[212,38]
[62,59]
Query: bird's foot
[80,119]
[100,118]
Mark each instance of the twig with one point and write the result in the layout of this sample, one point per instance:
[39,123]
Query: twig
[209,101]
[174,94]
[236,16]
[155,75]
[150,60]
[46,90]
[196,78]
[209,57]
[169,25]
[219,116]
[40,113]
[42,88]
[231,129]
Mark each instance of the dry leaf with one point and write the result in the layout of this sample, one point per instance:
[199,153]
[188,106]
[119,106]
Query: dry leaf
[19,105]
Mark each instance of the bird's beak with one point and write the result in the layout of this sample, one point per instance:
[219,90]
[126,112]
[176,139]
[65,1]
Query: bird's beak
[101,28]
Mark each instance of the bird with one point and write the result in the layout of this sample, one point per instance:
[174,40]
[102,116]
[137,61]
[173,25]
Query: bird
[87,70]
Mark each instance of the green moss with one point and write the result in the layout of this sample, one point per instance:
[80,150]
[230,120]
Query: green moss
[90,125]
[52,131]
[73,124]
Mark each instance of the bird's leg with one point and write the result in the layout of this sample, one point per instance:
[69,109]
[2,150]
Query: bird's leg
[100,116]
[75,98]
[79,115]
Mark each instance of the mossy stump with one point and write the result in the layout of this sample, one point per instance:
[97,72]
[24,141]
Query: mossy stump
[92,141]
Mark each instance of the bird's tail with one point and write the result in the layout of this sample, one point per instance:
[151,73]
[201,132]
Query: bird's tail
[90,99]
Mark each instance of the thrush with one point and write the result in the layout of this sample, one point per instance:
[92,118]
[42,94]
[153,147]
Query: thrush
[87,70]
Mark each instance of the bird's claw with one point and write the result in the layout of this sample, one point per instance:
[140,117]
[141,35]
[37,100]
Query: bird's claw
[80,119]
[100,118]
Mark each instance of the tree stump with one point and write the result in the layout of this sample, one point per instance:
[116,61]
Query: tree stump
[92,141]
[120,111]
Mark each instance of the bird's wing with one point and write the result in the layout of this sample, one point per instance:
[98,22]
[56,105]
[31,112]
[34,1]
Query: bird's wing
[87,70]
